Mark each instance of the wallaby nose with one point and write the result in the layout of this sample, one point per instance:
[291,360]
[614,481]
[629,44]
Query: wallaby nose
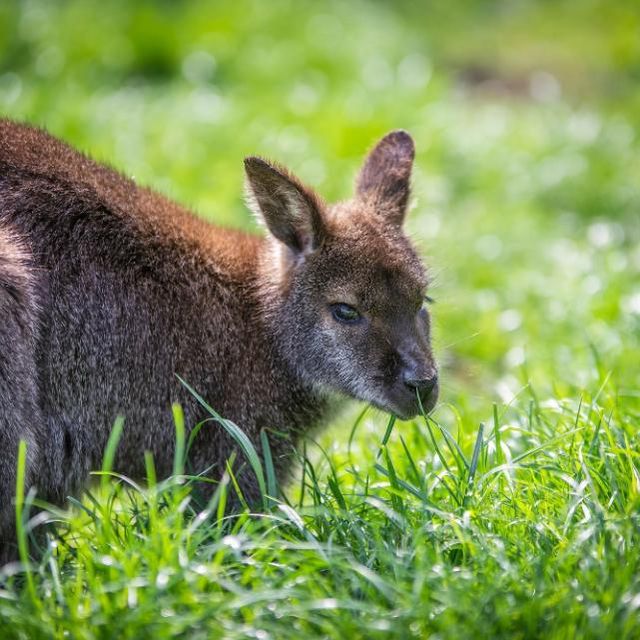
[423,384]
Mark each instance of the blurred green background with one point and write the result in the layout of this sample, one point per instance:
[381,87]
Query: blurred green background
[525,115]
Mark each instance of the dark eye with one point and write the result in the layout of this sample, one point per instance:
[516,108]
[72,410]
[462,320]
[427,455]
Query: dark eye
[345,313]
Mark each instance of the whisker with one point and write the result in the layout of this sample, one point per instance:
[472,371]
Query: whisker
[453,344]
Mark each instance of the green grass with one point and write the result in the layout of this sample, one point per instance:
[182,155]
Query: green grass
[514,512]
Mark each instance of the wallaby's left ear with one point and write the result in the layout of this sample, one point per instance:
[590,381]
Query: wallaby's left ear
[385,175]
[291,211]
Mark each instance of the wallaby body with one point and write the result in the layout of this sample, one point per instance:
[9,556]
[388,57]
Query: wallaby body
[108,290]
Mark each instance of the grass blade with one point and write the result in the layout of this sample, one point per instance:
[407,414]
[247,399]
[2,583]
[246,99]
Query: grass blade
[239,436]
[497,435]
[110,451]
[21,534]
[179,454]
[387,435]
[272,483]
[474,464]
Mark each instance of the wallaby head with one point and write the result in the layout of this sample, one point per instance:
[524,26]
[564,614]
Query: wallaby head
[343,287]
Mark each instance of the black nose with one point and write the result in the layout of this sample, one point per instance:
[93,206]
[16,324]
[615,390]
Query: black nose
[424,385]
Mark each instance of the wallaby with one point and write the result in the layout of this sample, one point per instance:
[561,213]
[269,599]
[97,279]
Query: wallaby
[108,291]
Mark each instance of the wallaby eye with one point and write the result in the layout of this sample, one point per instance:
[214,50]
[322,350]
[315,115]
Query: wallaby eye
[345,313]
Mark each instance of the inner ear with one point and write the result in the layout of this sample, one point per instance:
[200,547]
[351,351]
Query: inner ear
[291,211]
[384,179]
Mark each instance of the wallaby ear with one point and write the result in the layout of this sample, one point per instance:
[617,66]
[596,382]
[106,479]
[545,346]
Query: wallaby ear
[291,211]
[384,177]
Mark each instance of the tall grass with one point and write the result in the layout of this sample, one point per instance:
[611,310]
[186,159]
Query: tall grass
[512,511]
[433,533]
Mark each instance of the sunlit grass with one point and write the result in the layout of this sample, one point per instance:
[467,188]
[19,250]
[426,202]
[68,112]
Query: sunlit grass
[529,533]
[514,510]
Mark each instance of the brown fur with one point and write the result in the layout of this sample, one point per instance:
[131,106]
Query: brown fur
[108,290]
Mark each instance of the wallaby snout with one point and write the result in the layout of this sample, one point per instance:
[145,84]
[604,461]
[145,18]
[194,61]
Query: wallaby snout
[421,385]
[419,373]
[424,385]
[415,387]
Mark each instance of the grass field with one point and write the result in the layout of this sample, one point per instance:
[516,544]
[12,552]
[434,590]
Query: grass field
[515,511]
